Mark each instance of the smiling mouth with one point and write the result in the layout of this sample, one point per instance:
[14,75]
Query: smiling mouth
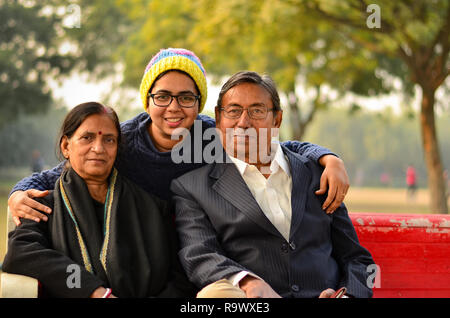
[174,120]
[97,160]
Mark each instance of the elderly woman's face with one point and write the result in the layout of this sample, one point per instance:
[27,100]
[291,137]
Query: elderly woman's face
[92,149]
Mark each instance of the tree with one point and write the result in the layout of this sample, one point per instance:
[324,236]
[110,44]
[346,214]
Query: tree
[413,38]
[272,37]
[372,142]
[29,56]
[100,40]
[46,40]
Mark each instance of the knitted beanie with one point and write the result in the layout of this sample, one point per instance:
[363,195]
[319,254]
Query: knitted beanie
[174,59]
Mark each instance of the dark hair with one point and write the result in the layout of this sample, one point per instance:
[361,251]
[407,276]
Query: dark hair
[76,117]
[265,81]
[179,71]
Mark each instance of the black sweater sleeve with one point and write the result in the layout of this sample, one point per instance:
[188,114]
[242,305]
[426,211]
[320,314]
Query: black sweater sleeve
[30,253]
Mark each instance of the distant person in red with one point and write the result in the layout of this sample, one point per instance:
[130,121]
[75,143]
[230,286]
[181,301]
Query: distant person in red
[411,182]
[385,179]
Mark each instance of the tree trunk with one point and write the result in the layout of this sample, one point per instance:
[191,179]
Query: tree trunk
[295,117]
[438,199]
[299,124]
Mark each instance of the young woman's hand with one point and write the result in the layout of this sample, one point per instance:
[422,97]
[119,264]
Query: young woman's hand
[22,205]
[335,177]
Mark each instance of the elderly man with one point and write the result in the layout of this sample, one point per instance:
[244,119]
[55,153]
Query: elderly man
[252,226]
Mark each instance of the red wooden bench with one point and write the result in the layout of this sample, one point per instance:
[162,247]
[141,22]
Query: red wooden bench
[412,252]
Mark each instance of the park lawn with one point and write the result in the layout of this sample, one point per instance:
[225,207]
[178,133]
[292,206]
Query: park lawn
[386,200]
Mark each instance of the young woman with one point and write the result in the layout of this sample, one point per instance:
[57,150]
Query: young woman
[173,91]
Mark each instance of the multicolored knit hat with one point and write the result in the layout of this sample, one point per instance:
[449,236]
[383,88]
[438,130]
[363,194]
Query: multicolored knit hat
[174,59]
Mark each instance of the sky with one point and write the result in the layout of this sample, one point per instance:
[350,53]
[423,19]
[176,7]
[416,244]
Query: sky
[78,89]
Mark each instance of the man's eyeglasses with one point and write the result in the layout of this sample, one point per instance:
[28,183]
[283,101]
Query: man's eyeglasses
[254,112]
[164,99]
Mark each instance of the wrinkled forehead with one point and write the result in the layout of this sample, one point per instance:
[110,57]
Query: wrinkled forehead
[99,124]
[247,94]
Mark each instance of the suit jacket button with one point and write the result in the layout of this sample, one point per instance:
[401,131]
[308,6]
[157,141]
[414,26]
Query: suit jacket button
[295,288]
[285,248]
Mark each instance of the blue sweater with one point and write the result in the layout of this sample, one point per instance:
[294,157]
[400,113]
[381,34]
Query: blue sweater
[140,161]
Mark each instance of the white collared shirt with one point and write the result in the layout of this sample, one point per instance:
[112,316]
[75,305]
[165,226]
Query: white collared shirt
[273,194]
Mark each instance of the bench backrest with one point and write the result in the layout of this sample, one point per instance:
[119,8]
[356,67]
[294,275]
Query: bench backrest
[412,252]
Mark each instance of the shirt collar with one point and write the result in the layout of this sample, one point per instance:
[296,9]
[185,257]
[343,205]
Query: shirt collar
[279,161]
[240,165]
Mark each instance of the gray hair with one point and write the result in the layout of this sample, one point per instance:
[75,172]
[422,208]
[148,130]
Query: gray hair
[265,81]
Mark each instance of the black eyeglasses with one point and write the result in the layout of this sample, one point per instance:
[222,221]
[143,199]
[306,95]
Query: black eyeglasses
[254,112]
[164,99]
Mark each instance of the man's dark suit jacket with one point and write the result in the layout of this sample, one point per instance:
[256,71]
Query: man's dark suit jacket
[223,231]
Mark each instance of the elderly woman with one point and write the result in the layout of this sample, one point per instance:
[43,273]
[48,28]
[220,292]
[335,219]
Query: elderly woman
[111,237]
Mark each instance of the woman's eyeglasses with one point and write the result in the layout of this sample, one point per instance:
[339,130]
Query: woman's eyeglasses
[164,100]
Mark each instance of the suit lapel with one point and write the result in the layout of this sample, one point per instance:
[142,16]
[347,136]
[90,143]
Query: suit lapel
[301,178]
[232,187]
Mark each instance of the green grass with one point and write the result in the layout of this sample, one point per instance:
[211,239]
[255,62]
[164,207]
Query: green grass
[386,200]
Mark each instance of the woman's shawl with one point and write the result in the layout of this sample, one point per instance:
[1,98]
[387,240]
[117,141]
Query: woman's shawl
[132,255]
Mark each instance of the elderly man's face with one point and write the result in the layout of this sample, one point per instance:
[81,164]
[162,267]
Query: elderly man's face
[246,138]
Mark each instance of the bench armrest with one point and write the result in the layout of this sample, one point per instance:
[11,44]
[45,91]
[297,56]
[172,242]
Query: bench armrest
[18,286]
[12,285]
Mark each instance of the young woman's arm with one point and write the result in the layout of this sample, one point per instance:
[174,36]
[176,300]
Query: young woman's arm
[21,203]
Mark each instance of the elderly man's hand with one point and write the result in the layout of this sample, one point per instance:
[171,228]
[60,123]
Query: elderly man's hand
[257,288]
[327,293]
[335,177]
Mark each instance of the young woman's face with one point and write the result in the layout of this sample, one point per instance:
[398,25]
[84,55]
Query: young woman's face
[92,149]
[165,120]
